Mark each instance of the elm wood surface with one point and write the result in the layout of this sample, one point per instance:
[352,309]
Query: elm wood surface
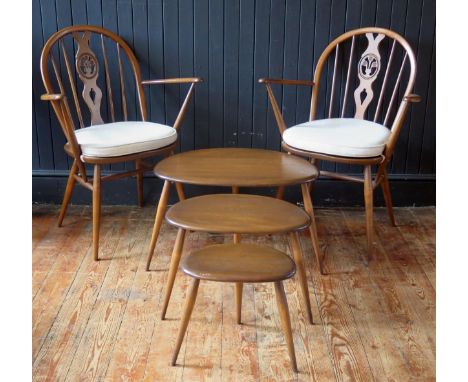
[374,322]
[238,214]
[238,263]
[61,89]
[366,106]
[246,263]
[235,167]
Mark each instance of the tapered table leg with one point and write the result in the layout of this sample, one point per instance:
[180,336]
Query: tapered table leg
[160,211]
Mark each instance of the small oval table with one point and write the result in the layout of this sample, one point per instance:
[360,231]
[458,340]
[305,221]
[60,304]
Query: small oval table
[235,167]
[238,214]
[244,263]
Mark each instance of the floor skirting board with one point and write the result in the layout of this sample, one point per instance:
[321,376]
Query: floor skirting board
[406,191]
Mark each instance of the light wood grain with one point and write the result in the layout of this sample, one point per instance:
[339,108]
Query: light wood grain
[100,320]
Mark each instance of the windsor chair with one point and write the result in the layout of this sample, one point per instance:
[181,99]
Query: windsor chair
[89,140]
[360,134]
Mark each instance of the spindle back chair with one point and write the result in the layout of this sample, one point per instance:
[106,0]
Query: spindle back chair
[341,93]
[103,82]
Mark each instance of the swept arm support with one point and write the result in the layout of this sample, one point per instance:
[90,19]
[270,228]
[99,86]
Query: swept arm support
[190,80]
[276,110]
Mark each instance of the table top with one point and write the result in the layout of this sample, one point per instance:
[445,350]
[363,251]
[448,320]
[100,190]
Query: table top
[237,213]
[238,263]
[236,167]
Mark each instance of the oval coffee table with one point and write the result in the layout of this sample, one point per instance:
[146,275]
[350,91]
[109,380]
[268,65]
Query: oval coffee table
[238,214]
[235,167]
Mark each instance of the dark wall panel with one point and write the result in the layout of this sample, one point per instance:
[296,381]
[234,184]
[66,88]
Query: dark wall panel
[231,44]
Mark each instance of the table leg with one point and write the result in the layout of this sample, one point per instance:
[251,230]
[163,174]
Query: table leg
[301,271]
[180,191]
[239,286]
[189,303]
[160,212]
[313,226]
[175,260]
[285,321]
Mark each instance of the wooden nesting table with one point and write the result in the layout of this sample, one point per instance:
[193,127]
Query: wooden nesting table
[243,263]
[235,167]
[238,214]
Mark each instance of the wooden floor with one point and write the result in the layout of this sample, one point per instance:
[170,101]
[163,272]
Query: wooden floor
[100,320]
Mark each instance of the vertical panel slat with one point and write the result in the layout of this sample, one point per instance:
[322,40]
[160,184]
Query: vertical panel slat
[41,108]
[262,36]
[275,67]
[201,57]
[49,25]
[140,48]
[305,60]
[231,73]
[291,55]
[410,29]
[125,25]
[156,60]
[186,62]
[171,58]
[246,78]
[384,83]
[423,58]
[429,138]
[215,83]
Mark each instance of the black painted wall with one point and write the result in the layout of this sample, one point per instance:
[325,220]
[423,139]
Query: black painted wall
[231,44]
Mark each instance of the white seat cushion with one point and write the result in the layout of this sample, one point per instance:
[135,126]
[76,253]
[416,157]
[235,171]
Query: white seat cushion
[123,138]
[345,137]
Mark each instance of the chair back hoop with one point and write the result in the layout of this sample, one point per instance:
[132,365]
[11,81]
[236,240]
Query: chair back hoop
[97,75]
[371,91]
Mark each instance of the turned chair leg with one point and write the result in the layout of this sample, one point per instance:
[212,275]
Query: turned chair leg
[189,303]
[139,178]
[301,271]
[368,199]
[175,260]
[313,226]
[285,321]
[160,212]
[96,209]
[387,197]
[68,193]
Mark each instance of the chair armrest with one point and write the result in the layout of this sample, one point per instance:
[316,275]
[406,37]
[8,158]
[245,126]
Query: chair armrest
[412,98]
[285,82]
[188,80]
[52,97]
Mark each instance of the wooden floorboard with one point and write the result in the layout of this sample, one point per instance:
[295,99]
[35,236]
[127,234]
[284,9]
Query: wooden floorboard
[100,321]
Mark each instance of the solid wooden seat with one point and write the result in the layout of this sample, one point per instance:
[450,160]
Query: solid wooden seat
[237,213]
[248,263]
[239,263]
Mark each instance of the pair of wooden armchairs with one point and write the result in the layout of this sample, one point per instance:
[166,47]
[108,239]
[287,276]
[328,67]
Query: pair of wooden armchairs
[105,68]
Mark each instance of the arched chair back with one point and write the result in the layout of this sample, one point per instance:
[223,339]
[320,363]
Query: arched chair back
[97,72]
[366,73]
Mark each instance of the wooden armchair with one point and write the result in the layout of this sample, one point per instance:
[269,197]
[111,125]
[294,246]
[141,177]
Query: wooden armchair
[359,129]
[78,91]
